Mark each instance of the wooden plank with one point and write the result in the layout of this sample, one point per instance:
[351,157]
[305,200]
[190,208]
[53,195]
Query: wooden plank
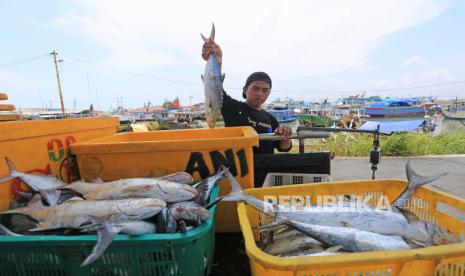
[10,117]
[3,96]
[7,107]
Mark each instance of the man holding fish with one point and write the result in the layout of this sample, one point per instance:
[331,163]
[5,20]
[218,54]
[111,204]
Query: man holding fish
[249,113]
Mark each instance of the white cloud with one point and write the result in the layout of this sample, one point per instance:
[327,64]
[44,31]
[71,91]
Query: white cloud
[423,83]
[439,76]
[289,39]
[414,61]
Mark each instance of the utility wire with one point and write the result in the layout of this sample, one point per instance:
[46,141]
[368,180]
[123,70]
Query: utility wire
[128,72]
[274,90]
[21,61]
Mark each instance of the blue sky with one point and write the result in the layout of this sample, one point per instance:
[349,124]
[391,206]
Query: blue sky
[312,49]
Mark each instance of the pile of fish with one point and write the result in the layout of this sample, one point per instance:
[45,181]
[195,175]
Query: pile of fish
[132,206]
[339,227]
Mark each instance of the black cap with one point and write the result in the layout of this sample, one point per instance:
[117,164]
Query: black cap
[257,76]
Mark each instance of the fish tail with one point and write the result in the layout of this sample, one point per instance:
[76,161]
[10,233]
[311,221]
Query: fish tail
[236,194]
[212,34]
[105,236]
[13,173]
[415,180]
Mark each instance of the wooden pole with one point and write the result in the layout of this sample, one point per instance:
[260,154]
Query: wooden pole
[59,82]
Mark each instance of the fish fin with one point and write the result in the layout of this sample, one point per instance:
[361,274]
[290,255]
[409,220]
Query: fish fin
[410,171]
[6,178]
[24,194]
[152,174]
[42,227]
[414,243]
[205,186]
[105,235]
[135,189]
[51,196]
[210,205]
[74,198]
[12,171]
[201,76]
[96,180]
[416,179]
[236,194]
[7,232]
[223,76]
[212,33]
[204,38]
[334,248]
[11,165]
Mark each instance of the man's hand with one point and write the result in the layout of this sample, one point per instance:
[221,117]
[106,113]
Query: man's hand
[211,47]
[284,131]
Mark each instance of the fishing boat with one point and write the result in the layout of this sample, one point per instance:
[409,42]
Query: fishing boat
[282,112]
[400,107]
[451,122]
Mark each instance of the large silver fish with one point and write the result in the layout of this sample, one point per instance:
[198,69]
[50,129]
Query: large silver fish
[213,84]
[76,213]
[134,188]
[349,238]
[364,218]
[44,184]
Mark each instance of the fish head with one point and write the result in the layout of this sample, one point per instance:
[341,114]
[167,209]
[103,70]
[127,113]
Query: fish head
[212,118]
[191,213]
[211,122]
[186,192]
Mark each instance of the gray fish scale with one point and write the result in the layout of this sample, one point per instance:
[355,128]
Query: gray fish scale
[213,90]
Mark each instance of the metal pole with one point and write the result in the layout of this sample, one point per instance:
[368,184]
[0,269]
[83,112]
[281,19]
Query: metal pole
[299,135]
[59,82]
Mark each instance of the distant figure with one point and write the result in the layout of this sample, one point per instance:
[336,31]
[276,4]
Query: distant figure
[256,90]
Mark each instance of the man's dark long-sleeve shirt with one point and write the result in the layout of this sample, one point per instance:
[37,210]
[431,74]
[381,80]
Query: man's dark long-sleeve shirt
[237,113]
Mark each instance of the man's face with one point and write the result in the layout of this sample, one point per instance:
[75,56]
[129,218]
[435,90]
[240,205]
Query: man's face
[256,94]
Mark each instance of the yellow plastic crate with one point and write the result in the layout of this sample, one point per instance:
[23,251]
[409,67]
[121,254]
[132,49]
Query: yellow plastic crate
[437,260]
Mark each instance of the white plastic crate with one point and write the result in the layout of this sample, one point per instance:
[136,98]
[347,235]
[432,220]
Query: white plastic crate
[282,179]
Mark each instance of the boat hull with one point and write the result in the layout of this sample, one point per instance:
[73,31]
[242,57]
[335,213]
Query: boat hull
[398,111]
